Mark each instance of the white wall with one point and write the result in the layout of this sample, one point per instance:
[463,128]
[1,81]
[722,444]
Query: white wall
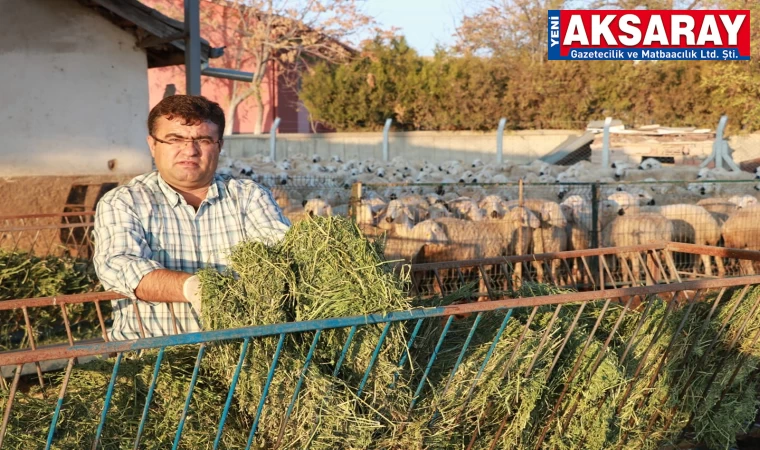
[434,146]
[73,92]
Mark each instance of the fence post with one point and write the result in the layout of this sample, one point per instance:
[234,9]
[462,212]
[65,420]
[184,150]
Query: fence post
[273,139]
[606,142]
[500,141]
[595,232]
[386,130]
[356,197]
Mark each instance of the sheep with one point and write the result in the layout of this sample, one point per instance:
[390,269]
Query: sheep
[719,173]
[396,212]
[492,238]
[743,201]
[464,207]
[493,206]
[318,207]
[403,241]
[550,237]
[578,237]
[742,231]
[636,229]
[693,224]
[650,163]
[295,213]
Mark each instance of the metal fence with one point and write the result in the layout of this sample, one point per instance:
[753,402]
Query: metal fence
[453,353]
[48,234]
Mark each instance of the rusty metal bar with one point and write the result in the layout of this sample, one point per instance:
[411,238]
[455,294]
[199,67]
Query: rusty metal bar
[174,317]
[59,299]
[41,354]
[672,265]
[540,256]
[9,404]
[48,215]
[139,318]
[574,370]
[660,364]
[644,357]
[101,320]
[30,333]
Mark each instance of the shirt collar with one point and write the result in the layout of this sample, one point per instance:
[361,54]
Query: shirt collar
[175,198]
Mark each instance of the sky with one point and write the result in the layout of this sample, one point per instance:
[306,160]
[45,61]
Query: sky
[423,22]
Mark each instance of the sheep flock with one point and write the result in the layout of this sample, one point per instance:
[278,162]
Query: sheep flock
[457,210]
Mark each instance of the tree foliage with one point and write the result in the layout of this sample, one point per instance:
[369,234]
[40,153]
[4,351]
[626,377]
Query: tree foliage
[499,68]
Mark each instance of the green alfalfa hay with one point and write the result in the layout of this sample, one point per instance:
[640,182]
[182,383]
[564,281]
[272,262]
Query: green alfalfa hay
[323,268]
[588,405]
[497,394]
[84,400]
[653,407]
[718,426]
[23,275]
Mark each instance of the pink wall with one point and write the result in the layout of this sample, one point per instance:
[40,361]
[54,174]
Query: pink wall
[214,20]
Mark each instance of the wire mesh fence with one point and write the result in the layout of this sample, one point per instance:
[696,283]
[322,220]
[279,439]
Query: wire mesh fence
[485,220]
[48,234]
[618,367]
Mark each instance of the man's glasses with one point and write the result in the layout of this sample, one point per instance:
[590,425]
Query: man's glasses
[178,143]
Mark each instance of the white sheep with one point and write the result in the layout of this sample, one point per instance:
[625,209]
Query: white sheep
[493,206]
[318,207]
[636,229]
[742,231]
[743,201]
[650,163]
[403,240]
[693,224]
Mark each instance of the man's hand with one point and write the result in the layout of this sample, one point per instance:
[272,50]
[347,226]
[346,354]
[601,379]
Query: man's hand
[192,292]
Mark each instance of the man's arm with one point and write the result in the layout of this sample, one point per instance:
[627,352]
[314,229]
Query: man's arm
[162,285]
[122,256]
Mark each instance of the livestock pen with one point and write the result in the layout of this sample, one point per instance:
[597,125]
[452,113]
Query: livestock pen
[667,358]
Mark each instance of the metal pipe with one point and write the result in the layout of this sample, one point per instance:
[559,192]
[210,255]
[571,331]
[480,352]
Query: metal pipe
[273,139]
[500,140]
[606,142]
[192,47]
[386,130]
[229,74]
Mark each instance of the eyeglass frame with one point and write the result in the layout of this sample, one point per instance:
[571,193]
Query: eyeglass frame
[184,141]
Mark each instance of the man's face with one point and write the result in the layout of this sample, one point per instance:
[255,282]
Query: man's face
[182,164]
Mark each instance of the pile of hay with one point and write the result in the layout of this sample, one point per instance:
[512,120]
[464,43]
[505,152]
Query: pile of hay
[80,414]
[23,275]
[323,268]
[543,386]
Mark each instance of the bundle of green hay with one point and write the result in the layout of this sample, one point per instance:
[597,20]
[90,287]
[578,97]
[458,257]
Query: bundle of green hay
[669,376]
[23,275]
[80,414]
[323,268]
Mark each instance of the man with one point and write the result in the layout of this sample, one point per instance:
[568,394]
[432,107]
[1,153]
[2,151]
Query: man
[152,235]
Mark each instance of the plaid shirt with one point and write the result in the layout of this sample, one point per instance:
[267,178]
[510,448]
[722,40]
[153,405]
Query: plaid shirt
[146,225]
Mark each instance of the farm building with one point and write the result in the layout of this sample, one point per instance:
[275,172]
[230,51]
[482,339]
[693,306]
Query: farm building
[75,96]
[279,88]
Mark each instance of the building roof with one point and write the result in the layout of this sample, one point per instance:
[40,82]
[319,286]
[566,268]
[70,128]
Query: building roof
[161,36]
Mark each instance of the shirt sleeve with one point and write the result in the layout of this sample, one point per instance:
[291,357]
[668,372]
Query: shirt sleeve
[122,256]
[267,218]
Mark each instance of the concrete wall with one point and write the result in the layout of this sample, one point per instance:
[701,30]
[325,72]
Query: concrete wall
[519,146]
[73,92]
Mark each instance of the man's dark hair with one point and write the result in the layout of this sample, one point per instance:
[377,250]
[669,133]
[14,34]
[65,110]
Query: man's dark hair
[193,109]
